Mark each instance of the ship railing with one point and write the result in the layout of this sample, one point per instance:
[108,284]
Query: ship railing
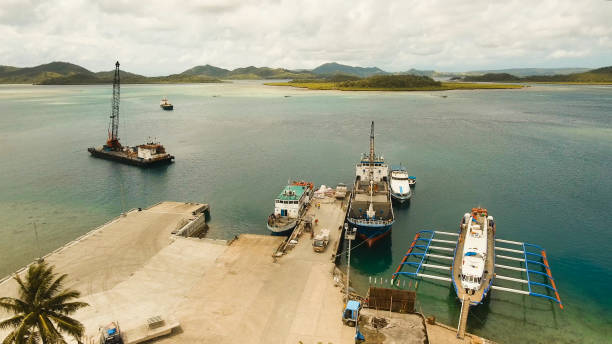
[372,222]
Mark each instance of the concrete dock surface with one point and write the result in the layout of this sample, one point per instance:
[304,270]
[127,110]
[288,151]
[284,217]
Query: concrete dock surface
[132,269]
[207,291]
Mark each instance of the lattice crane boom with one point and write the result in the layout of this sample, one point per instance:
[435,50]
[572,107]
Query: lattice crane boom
[113,133]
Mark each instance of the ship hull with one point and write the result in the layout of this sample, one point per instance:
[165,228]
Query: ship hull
[167,107]
[400,198]
[122,158]
[370,233]
[282,230]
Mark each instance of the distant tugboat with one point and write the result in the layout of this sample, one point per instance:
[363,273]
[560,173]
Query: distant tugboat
[289,206]
[149,154]
[370,209]
[165,105]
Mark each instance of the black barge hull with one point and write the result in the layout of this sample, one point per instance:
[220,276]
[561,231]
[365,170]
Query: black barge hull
[123,158]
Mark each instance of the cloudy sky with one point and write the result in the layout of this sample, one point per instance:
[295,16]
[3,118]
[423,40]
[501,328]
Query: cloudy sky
[160,37]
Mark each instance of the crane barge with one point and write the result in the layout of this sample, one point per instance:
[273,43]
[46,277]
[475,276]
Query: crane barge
[145,155]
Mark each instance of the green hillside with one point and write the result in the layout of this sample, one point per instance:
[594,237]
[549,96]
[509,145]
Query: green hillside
[335,68]
[208,70]
[246,73]
[63,73]
[600,75]
[391,81]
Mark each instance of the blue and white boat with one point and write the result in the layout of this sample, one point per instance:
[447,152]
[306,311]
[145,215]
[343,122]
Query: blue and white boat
[399,182]
[370,209]
[289,206]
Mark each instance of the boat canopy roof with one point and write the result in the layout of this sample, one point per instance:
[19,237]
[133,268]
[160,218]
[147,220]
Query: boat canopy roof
[353,305]
[398,168]
[292,193]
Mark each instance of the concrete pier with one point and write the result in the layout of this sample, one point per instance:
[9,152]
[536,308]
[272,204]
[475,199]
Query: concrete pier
[133,269]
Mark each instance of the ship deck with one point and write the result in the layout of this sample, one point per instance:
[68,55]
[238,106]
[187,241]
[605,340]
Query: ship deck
[126,159]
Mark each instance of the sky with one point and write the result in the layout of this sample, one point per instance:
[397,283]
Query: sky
[155,37]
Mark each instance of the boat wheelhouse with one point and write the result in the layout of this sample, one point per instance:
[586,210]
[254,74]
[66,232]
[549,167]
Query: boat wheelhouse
[289,206]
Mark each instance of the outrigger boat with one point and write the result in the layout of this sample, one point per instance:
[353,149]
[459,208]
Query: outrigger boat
[289,207]
[370,209]
[473,263]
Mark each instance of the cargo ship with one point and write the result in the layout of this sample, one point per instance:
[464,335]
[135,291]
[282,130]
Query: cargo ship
[146,155]
[370,209]
[289,206]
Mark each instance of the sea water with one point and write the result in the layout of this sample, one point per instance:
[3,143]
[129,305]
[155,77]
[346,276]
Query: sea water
[539,159]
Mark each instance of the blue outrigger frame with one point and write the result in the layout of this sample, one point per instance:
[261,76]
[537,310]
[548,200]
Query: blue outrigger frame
[526,255]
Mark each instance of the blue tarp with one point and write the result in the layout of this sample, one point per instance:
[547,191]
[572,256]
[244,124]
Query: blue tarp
[470,254]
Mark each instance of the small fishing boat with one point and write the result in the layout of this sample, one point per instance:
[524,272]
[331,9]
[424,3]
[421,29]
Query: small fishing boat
[289,206]
[399,182]
[411,180]
[164,104]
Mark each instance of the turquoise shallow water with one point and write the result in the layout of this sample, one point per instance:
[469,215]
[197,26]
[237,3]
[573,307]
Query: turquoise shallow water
[539,159]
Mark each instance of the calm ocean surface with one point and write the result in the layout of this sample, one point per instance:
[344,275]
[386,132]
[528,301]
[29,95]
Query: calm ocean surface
[540,159]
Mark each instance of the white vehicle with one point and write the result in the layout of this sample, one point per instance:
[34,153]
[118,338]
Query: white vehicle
[400,182]
[321,240]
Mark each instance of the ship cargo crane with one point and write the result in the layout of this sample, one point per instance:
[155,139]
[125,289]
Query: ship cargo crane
[113,132]
[144,155]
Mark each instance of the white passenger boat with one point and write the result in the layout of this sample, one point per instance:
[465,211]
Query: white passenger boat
[475,271]
[399,182]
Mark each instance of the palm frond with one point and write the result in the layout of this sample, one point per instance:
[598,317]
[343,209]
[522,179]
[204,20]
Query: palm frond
[55,286]
[13,322]
[66,308]
[68,325]
[12,305]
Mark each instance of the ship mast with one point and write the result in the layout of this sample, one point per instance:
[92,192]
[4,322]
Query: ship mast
[372,152]
[113,133]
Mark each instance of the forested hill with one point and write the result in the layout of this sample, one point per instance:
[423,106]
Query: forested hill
[64,73]
[599,75]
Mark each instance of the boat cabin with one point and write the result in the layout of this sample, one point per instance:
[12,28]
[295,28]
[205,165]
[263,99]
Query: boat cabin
[380,170]
[290,201]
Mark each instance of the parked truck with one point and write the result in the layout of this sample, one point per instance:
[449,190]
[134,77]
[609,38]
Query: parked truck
[321,240]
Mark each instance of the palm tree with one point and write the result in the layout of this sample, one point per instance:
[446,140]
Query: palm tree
[41,313]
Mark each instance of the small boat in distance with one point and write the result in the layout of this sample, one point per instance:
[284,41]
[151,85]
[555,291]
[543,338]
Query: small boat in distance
[399,182]
[289,206]
[164,104]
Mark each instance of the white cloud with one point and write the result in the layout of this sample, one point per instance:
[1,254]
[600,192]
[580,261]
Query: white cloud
[160,37]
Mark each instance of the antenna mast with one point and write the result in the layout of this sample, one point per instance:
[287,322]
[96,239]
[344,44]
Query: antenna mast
[372,151]
[113,134]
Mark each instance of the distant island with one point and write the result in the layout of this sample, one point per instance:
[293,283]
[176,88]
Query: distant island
[325,76]
[595,76]
[388,83]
